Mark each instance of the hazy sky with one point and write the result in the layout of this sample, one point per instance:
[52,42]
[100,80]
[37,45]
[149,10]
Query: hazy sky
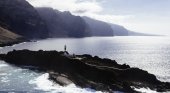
[147,16]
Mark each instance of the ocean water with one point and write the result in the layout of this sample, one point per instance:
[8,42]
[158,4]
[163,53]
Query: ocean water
[148,53]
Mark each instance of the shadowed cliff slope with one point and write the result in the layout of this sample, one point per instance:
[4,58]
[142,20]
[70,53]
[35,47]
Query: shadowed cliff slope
[63,24]
[119,30]
[21,18]
[99,28]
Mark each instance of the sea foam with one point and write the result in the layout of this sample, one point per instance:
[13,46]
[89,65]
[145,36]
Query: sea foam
[42,83]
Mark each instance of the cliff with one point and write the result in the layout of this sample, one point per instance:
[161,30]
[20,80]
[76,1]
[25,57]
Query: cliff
[63,24]
[99,28]
[21,18]
[119,30]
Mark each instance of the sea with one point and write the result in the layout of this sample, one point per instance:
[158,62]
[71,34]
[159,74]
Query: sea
[150,53]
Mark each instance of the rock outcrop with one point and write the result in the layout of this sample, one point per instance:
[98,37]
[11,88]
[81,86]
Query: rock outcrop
[87,71]
[21,18]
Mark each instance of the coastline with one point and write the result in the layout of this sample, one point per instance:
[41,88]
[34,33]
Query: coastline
[10,43]
[21,40]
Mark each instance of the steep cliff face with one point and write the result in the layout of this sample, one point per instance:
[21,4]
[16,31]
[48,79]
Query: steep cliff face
[119,30]
[99,28]
[53,21]
[63,24]
[21,18]
[75,25]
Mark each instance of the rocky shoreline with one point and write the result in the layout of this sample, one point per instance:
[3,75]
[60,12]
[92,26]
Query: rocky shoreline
[10,43]
[86,71]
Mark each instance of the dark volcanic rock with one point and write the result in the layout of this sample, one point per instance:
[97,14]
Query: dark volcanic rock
[21,18]
[87,71]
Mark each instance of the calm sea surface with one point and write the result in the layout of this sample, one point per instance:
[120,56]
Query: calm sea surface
[148,53]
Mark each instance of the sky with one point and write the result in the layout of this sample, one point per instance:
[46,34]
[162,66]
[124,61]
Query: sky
[146,16]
